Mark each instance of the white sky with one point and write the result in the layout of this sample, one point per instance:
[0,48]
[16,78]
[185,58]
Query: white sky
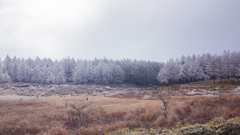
[137,29]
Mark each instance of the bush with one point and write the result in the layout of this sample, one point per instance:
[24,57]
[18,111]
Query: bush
[218,126]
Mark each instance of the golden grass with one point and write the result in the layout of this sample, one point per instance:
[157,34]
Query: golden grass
[51,117]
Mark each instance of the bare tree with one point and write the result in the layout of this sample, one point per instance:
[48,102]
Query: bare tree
[80,106]
[78,118]
[165,98]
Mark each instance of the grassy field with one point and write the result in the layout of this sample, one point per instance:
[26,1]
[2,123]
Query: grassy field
[54,115]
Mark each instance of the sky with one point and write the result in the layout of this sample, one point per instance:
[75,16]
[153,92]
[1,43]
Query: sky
[153,30]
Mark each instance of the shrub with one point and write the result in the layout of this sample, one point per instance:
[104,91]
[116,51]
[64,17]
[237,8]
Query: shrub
[218,126]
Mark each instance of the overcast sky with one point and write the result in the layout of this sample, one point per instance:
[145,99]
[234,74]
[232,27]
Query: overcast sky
[137,29]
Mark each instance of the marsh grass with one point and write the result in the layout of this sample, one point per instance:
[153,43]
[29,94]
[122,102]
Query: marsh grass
[20,117]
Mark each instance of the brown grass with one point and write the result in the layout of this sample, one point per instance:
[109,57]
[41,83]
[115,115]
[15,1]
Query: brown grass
[19,117]
[224,84]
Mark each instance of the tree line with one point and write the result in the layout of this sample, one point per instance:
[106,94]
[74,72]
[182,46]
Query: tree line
[202,67]
[107,71]
[68,70]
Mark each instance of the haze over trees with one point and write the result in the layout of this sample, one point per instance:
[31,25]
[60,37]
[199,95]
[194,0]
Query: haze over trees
[201,67]
[104,71]
[97,71]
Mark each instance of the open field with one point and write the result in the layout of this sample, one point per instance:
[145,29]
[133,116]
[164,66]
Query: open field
[108,108]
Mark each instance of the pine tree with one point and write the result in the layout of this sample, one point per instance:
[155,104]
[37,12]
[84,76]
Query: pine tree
[226,64]
[7,66]
[118,74]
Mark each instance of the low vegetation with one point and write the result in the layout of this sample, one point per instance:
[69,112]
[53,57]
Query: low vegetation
[218,126]
[19,117]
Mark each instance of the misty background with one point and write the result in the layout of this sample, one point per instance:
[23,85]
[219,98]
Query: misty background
[153,30]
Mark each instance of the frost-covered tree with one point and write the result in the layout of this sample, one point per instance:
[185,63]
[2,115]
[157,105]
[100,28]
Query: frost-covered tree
[3,76]
[58,73]
[36,77]
[226,64]
[104,71]
[234,65]
[213,68]
[68,66]
[44,74]
[28,74]
[163,75]
[7,66]
[16,71]
[50,78]
[170,72]
[22,71]
[98,73]
[117,74]
[89,72]
[80,73]
[195,70]
[140,72]
[184,74]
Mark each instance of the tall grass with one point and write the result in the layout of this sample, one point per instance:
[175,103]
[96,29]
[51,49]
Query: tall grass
[19,118]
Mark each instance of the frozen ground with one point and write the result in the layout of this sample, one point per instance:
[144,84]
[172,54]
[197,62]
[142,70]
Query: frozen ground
[28,90]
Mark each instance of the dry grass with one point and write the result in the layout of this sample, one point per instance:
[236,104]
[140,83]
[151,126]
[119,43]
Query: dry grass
[223,85]
[51,117]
